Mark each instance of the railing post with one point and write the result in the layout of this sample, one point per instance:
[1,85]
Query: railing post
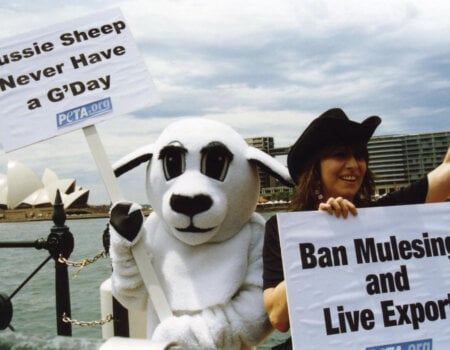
[60,243]
[121,327]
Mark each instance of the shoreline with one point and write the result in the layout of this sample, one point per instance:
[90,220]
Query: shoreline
[46,214]
[93,212]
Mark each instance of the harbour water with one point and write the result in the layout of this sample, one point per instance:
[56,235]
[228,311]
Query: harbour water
[34,316]
[34,305]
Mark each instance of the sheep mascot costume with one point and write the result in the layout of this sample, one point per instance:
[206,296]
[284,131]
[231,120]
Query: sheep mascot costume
[203,235]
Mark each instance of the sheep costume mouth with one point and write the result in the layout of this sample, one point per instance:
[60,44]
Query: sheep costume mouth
[202,179]
[193,229]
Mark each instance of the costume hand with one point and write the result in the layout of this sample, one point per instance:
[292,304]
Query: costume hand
[127,219]
[185,330]
[339,206]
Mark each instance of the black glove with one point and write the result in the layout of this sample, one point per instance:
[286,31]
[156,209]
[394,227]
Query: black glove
[126,224]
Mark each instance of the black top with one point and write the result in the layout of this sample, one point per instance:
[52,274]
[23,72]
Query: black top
[273,268]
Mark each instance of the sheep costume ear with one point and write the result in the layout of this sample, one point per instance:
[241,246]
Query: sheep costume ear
[133,159]
[254,155]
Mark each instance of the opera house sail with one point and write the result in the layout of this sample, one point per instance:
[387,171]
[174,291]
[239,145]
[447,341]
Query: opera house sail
[21,187]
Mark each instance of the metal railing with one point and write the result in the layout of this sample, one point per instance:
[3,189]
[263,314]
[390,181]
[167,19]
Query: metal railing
[59,243]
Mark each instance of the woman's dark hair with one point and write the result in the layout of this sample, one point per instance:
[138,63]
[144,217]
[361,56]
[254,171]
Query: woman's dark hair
[309,183]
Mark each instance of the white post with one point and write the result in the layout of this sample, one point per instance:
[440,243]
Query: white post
[143,261]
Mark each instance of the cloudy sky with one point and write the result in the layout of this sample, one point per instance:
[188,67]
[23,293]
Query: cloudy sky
[267,68]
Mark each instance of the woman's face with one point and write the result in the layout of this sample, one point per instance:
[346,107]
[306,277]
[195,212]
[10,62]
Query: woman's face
[342,172]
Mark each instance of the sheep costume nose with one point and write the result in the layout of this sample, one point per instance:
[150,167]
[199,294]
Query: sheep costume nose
[190,206]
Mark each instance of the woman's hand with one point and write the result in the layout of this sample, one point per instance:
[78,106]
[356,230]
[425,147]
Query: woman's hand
[275,301]
[339,206]
[439,181]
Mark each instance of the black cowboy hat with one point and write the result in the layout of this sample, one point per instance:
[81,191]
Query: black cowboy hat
[332,127]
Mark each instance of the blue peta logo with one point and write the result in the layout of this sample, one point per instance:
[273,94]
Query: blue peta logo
[81,113]
[424,344]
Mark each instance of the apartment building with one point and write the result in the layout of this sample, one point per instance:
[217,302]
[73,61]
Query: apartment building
[398,160]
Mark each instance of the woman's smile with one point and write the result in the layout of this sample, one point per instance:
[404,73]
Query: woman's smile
[342,173]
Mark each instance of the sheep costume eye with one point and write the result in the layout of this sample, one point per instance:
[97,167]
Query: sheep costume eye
[216,158]
[174,160]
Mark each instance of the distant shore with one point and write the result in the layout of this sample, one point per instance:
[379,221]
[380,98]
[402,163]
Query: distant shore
[46,213]
[91,212]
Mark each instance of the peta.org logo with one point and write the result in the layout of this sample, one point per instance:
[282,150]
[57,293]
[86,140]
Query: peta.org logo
[81,113]
[424,344]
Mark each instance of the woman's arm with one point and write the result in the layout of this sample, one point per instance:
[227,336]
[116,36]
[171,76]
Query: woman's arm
[275,301]
[439,181]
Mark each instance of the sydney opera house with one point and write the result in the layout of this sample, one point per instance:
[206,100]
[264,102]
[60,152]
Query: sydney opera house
[21,188]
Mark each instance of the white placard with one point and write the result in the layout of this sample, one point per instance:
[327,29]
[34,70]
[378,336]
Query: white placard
[67,76]
[378,281]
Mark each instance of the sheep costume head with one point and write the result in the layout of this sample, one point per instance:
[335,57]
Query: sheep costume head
[202,179]
[203,235]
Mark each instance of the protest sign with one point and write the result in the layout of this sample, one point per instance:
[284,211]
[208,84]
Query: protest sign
[377,281]
[71,76]
[67,76]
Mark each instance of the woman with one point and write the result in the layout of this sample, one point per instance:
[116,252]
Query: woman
[329,164]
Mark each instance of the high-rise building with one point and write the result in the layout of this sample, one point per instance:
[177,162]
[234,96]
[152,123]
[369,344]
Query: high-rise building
[271,187]
[265,144]
[399,160]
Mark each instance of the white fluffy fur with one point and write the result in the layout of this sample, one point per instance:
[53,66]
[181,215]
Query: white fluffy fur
[212,280]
